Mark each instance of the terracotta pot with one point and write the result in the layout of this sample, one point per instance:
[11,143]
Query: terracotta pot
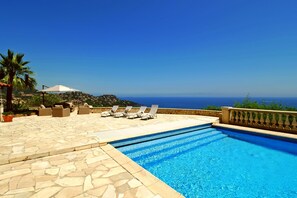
[7,118]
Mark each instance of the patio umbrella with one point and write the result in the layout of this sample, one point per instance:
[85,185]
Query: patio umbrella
[57,88]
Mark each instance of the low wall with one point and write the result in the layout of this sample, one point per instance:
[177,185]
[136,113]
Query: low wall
[166,111]
[274,120]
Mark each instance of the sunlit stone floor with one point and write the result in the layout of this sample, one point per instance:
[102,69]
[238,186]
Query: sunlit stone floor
[62,157]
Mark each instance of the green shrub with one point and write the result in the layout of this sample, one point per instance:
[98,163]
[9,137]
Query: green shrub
[7,113]
[213,107]
[49,100]
[20,107]
[252,104]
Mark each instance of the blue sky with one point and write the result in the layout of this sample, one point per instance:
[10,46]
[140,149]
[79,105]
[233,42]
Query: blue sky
[157,48]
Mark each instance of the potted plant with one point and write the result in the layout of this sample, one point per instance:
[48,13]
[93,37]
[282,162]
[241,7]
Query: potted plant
[7,116]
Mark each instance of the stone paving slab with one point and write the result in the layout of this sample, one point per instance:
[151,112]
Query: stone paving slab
[87,173]
[34,137]
[153,183]
[61,157]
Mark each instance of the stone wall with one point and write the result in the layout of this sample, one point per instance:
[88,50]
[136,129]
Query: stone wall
[274,120]
[167,111]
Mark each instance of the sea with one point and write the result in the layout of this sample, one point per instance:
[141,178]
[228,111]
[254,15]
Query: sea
[203,102]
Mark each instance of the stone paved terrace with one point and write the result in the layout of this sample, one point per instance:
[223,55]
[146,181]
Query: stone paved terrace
[62,157]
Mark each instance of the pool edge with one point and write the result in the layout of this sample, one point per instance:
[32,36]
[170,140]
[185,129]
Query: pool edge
[260,132]
[104,141]
[152,182]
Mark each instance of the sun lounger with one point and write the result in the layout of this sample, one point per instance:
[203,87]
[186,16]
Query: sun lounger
[151,114]
[110,112]
[137,114]
[124,113]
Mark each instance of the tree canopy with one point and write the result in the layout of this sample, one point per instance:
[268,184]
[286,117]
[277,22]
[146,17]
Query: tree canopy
[16,72]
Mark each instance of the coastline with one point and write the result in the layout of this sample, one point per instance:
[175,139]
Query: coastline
[203,102]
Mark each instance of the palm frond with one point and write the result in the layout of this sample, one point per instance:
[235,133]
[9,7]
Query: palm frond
[14,69]
[25,63]
[2,56]
[10,54]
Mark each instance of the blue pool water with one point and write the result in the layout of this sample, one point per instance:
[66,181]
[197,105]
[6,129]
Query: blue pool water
[209,163]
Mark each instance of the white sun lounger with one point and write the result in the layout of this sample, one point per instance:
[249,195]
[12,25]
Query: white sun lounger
[123,113]
[110,112]
[151,114]
[137,114]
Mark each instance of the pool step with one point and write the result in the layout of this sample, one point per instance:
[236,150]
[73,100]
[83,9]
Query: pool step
[131,141]
[163,141]
[167,150]
[169,147]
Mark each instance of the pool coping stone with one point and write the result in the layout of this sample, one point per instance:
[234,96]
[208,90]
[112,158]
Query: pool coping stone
[255,131]
[153,183]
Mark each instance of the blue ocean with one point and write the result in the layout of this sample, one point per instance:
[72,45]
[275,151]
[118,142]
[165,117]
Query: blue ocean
[202,102]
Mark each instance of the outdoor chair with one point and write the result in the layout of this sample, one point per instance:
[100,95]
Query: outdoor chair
[66,104]
[151,114]
[137,114]
[43,111]
[59,111]
[110,112]
[123,113]
[85,109]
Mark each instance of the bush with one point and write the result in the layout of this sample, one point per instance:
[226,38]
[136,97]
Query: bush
[7,113]
[213,107]
[251,104]
[49,100]
[19,107]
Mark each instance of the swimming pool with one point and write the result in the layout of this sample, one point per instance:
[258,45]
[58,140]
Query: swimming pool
[213,162]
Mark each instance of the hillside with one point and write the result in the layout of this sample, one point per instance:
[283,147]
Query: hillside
[96,101]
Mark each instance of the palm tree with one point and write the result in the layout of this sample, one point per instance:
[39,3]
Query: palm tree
[14,71]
